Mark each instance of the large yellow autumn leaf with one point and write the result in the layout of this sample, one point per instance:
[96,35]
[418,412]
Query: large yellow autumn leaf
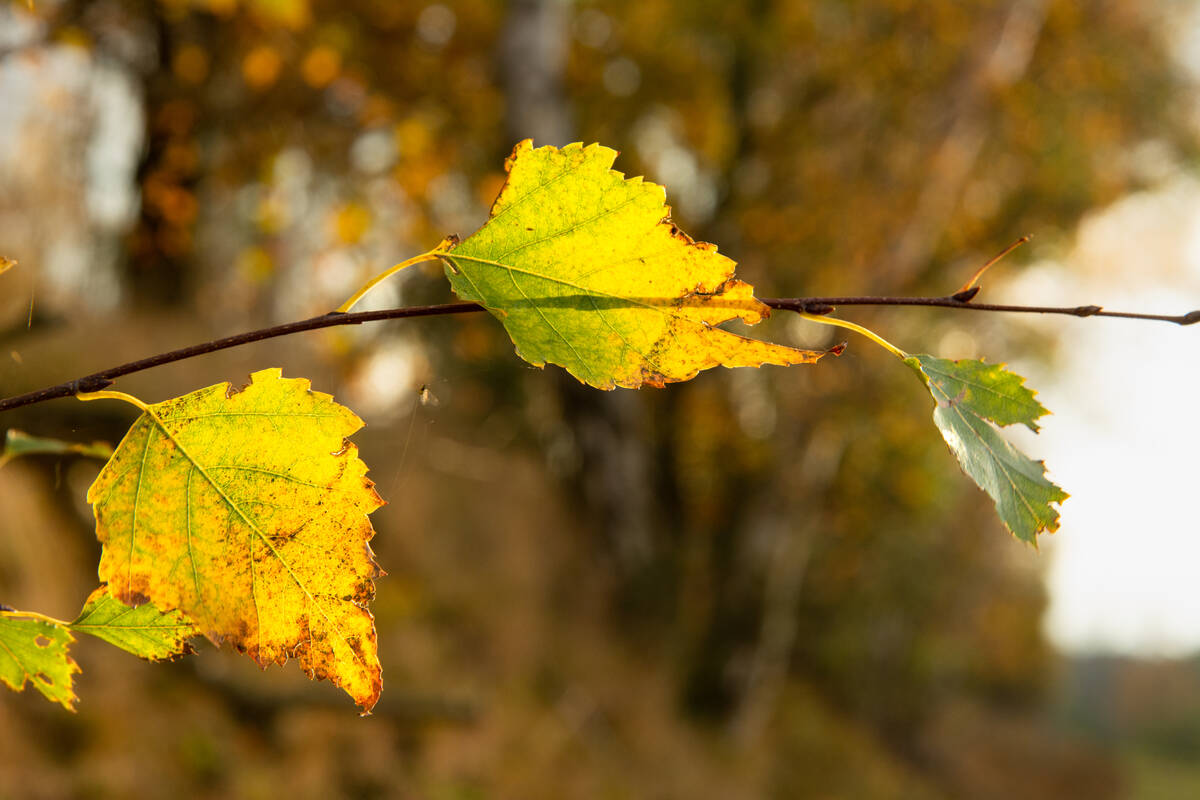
[585,269]
[247,511]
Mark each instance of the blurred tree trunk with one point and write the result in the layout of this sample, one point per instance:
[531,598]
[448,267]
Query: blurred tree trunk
[610,457]
[676,539]
[533,56]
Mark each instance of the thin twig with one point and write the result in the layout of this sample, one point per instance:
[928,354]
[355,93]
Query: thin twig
[809,305]
[823,305]
[104,378]
[969,289]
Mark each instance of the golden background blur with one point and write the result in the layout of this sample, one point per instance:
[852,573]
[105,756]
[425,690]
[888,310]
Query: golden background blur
[763,583]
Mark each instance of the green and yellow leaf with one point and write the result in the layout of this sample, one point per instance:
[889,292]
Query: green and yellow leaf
[969,397]
[144,631]
[247,512]
[33,650]
[585,270]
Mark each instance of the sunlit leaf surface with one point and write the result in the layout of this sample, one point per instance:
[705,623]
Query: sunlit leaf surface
[585,270]
[247,511]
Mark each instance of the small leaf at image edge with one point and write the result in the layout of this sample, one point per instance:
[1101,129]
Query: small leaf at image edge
[34,650]
[971,395]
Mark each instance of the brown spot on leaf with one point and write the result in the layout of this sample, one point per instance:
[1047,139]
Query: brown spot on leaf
[950,402]
[134,598]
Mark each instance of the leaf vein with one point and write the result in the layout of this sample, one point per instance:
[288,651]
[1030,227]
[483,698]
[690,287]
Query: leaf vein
[569,230]
[995,458]
[546,319]
[515,203]
[1022,401]
[264,539]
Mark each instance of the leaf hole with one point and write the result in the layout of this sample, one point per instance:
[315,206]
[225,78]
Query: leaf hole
[44,679]
[42,641]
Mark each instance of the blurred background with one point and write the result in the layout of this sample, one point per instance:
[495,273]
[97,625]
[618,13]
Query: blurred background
[764,583]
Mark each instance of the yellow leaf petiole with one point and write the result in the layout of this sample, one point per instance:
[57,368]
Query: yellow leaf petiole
[387,273]
[110,395]
[841,323]
[58,623]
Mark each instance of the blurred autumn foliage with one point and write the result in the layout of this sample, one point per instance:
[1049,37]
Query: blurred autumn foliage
[761,583]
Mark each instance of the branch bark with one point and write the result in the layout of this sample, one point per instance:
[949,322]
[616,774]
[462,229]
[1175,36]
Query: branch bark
[810,305]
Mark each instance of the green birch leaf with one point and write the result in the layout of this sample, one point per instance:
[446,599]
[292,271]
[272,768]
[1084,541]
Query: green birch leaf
[585,270]
[144,631]
[994,392]
[971,395]
[34,650]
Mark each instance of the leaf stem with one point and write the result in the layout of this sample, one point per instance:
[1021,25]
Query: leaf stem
[112,395]
[381,277]
[859,329]
[35,615]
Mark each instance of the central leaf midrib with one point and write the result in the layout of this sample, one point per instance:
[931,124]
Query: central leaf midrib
[668,302]
[591,295]
[82,624]
[87,627]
